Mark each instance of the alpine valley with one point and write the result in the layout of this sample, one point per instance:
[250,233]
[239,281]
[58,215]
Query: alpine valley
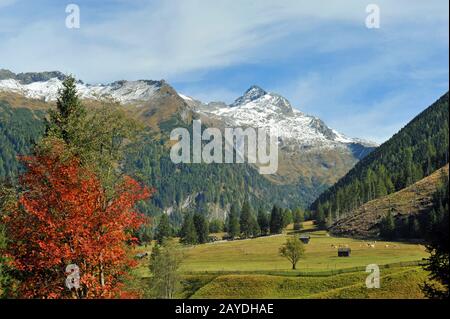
[312,156]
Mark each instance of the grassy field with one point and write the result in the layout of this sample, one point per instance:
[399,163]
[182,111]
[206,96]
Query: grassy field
[401,282]
[253,269]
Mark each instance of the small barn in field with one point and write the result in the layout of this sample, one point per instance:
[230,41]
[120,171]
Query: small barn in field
[305,239]
[344,252]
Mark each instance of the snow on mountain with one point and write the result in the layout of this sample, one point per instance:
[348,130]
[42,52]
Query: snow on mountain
[258,108]
[184,97]
[124,92]
[255,108]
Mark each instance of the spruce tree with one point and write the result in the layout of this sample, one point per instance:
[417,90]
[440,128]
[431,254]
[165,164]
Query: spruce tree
[254,226]
[299,218]
[263,222]
[233,223]
[164,229]
[276,220]
[188,232]
[246,220]
[69,114]
[287,217]
[201,228]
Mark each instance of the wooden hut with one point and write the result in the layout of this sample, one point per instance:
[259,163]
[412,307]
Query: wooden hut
[344,252]
[305,239]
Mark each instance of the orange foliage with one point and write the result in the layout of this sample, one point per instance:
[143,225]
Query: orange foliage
[63,218]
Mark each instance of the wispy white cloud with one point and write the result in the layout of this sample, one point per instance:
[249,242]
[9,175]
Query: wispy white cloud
[170,39]
[184,40]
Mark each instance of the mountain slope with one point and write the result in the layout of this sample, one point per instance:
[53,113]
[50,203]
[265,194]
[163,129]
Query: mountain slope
[19,130]
[311,155]
[310,151]
[408,202]
[417,150]
[209,188]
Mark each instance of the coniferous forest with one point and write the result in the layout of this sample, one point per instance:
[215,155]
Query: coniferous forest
[416,151]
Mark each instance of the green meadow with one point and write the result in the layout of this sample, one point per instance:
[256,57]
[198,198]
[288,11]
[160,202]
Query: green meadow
[252,268]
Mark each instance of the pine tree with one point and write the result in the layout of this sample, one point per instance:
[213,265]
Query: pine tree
[246,220]
[276,220]
[164,229]
[299,218]
[70,112]
[233,223]
[188,232]
[329,220]
[254,226]
[215,226]
[438,246]
[287,217]
[201,228]
[263,222]
[320,216]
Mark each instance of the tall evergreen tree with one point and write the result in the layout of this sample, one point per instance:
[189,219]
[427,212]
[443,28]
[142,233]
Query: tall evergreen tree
[164,229]
[276,220]
[201,228]
[233,222]
[299,218]
[438,246]
[287,217]
[215,226]
[246,220]
[69,114]
[263,222]
[98,137]
[188,232]
[254,226]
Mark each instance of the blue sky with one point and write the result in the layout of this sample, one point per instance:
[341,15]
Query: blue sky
[366,83]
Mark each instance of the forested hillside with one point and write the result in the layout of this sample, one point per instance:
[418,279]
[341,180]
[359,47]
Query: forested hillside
[207,188]
[409,213]
[19,129]
[416,151]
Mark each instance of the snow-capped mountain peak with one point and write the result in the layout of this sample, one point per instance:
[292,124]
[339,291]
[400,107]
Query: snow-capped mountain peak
[260,109]
[45,86]
[256,108]
[256,97]
[252,94]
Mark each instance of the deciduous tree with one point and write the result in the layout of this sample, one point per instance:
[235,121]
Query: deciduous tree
[293,250]
[64,218]
[165,262]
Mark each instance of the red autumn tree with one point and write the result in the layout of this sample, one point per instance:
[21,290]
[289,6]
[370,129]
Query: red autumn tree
[63,218]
